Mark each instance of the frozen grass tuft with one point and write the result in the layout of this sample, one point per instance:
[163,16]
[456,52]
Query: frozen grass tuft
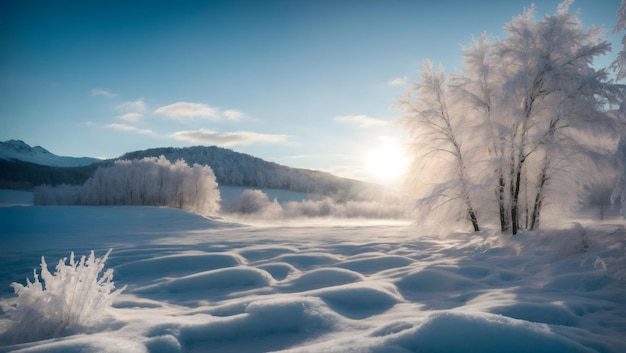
[73,298]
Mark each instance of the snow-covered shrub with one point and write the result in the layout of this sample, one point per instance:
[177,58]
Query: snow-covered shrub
[311,208]
[149,181]
[254,202]
[73,298]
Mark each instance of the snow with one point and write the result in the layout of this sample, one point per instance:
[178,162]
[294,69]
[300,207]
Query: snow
[16,149]
[15,198]
[197,284]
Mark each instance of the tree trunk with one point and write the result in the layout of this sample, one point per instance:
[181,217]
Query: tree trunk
[461,163]
[473,218]
[515,201]
[521,157]
[543,179]
[502,209]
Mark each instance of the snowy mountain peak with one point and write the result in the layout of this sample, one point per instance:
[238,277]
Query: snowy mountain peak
[19,146]
[17,149]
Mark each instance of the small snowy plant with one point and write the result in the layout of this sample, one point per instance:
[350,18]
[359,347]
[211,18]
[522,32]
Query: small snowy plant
[74,297]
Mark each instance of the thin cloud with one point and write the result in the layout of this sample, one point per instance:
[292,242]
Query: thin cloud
[234,115]
[128,128]
[137,106]
[227,139]
[187,110]
[103,92]
[302,156]
[361,120]
[398,81]
[131,117]
[347,171]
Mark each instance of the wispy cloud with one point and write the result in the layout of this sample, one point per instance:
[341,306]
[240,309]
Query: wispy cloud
[103,92]
[227,139]
[138,106]
[398,81]
[131,117]
[361,120]
[187,110]
[347,171]
[128,128]
[303,156]
[234,115]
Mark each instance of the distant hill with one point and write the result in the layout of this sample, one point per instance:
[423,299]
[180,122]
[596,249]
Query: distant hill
[240,169]
[18,150]
[230,168]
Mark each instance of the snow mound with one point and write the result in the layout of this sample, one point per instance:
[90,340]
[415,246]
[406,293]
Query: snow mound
[451,332]
[482,332]
[548,313]
[91,344]
[278,270]
[177,264]
[375,263]
[323,277]
[291,319]
[307,261]
[221,280]
[359,301]
[434,280]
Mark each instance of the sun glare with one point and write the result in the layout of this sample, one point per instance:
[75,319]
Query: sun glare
[388,161]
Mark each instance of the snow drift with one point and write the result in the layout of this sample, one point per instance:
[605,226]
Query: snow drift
[196,284]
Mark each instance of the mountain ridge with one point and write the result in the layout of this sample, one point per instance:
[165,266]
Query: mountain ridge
[19,150]
[231,168]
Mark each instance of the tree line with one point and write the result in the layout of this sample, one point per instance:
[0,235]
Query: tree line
[239,169]
[149,181]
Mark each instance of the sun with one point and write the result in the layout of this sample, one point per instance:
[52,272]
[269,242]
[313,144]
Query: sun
[387,161]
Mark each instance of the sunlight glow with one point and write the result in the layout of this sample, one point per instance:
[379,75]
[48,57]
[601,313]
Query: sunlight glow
[388,160]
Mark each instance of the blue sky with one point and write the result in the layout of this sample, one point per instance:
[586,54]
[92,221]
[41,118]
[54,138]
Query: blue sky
[307,84]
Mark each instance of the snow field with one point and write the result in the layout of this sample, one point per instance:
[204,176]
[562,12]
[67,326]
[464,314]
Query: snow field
[197,284]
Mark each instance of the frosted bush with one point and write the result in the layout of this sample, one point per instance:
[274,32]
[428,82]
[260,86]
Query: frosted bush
[73,298]
[254,202]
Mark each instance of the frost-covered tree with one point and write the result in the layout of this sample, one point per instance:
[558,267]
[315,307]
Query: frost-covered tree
[522,121]
[619,66]
[619,192]
[435,129]
[478,88]
[149,181]
[551,91]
